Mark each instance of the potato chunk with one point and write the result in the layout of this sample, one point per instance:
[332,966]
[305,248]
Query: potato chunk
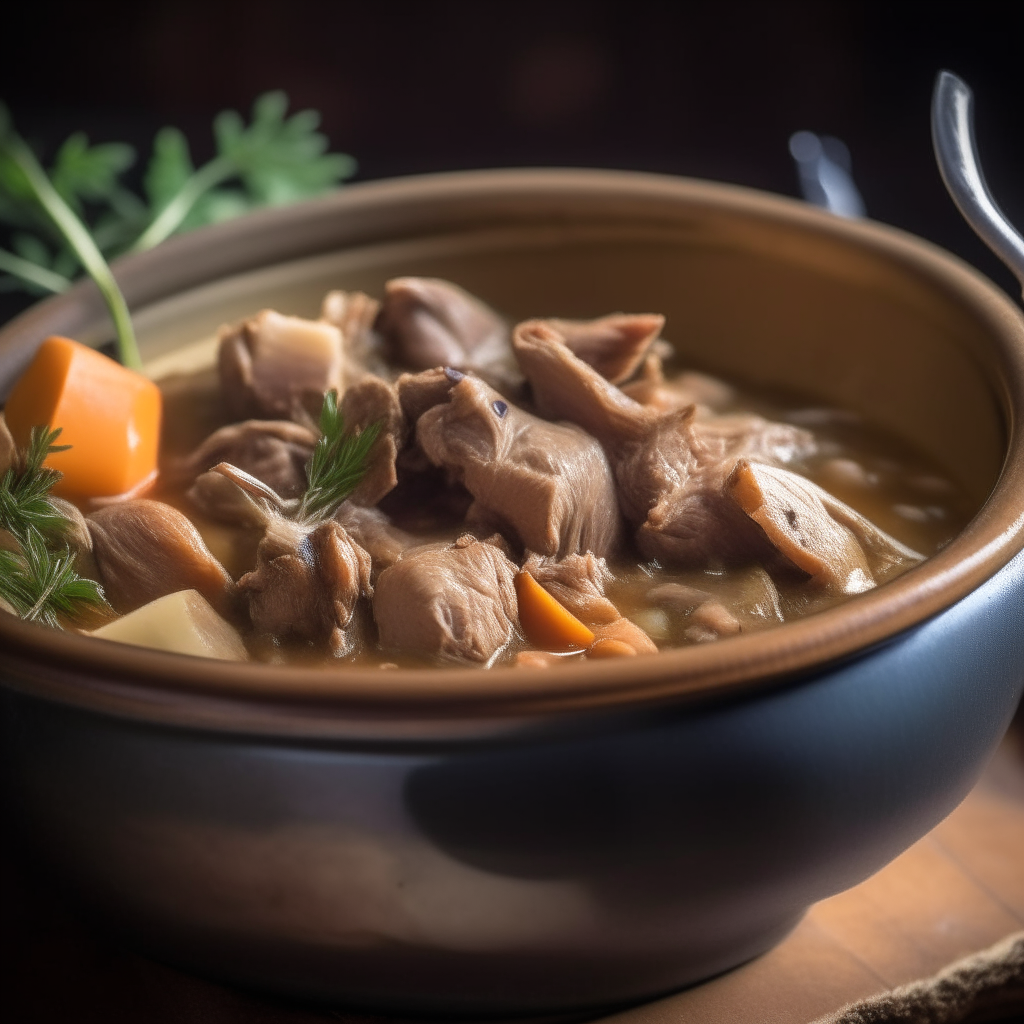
[182,623]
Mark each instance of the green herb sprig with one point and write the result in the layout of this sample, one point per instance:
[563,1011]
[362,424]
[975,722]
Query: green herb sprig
[25,178]
[25,506]
[42,585]
[337,465]
[273,160]
[39,581]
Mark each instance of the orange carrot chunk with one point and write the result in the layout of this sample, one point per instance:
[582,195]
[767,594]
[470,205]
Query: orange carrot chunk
[546,623]
[110,415]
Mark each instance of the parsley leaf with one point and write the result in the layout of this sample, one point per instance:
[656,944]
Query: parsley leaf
[274,159]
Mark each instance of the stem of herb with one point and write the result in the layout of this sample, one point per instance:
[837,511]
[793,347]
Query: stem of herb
[85,249]
[32,272]
[172,215]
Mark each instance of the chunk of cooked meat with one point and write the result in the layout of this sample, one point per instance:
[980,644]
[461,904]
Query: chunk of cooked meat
[374,400]
[274,451]
[426,322]
[747,593]
[577,582]
[418,392]
[452,602]
[837,547]
[306,584]
[218,495]
[670,468]
[613,345]
[372,530]
[269,363]
[687,388]
[77,537]
[548,485]
[354,313]
[145,549]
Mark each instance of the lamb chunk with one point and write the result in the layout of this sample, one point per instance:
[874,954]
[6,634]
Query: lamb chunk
[577,582]
[677,597]
[77,537]
[711,620]
[372,530]
[374,400]
[418,392]
[273,451]
[688,388]
[452,602]
[270,362]
[670,468]
[624,631]
[548,485]
[566,388]
[427,323]
[228,494]
[353,313]
[145,549]
[613,345]
[836,546]
[306,584]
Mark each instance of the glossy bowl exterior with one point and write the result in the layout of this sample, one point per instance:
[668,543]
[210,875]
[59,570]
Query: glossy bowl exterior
[458,842]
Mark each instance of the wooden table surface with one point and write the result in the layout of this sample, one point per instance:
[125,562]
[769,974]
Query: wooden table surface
[957,891]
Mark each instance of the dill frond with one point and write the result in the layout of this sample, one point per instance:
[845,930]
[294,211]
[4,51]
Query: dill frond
[25,506]
[40,582]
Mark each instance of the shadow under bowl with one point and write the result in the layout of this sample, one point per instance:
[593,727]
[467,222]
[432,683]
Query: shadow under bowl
[462,841]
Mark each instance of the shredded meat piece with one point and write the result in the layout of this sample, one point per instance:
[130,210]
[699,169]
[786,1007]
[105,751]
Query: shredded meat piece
[372,530]
[306,584]
[274,451]
[270,362]
[670,468]
[354,313]
[374,400]
[426,323]
[837,547]
[548,485]
[576,582]
[687,388]
[145,549]
[453,602]
[418,392]
[613,345]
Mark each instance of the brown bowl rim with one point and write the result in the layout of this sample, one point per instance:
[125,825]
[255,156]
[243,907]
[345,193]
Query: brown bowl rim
[459,702]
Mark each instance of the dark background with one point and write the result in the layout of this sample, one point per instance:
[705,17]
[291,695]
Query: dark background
[710,90]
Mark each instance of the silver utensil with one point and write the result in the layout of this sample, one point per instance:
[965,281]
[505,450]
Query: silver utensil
[824,167]
[957,155]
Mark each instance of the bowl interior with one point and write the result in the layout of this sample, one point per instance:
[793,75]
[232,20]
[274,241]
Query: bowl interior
[756,288]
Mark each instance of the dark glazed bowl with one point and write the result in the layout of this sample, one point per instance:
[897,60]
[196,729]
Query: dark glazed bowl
[506,843]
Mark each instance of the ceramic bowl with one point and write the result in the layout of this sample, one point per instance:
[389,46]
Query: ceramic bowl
[463,841]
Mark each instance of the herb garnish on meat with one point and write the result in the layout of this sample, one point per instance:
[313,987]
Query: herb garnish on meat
[337,465]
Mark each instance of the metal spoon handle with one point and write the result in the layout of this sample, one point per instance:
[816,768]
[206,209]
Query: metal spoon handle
[957,156]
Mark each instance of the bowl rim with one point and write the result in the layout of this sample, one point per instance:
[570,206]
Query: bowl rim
[175,689]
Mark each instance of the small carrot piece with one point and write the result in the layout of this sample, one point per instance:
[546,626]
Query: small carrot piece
[546,623]
[110,416]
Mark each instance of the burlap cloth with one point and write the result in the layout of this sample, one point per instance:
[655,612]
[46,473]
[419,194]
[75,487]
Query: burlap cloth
[988,986]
